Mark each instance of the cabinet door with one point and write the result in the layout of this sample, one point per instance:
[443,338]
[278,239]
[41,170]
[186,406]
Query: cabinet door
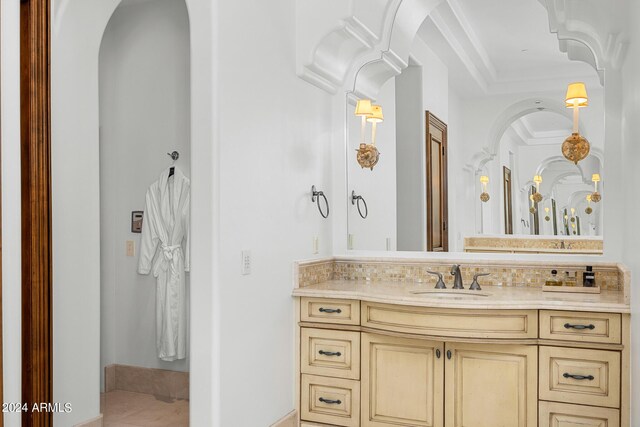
[402,382]
[491,385]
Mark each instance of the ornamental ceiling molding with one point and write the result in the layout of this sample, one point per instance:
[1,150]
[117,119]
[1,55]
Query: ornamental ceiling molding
[366,54]
[365,26]
[591,39]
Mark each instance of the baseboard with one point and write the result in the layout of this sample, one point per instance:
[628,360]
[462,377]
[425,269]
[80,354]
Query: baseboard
[158,382]
[94,422]
[289,420]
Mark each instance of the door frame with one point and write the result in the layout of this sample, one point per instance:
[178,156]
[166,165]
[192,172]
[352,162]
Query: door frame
[431,119]
[507,183]
[35,165]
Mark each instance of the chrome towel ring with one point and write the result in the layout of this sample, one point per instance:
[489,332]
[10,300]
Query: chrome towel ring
[315,197]
[355,200]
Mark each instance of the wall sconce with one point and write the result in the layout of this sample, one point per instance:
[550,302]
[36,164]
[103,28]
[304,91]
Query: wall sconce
[367,154]
[484,196]
[547,217]
[532,209]
[588,210]
[576,147]
[595,197]
[573,214]
[537,197]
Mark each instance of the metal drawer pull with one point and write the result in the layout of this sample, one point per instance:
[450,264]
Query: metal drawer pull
[330,402]
[330,310]
[578,377]
[330,353]
[570,326]
[438,353]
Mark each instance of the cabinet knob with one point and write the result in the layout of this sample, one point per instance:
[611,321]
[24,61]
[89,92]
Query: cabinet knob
[438,353]
[330,402]
[330,353]
[329,310]
[570,326]
[449,354]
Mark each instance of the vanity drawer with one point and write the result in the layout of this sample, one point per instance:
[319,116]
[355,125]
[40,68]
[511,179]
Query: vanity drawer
[576,375]
[330,353]
[320,310]
[330,400]
[451,322]
[554,414]
[581,326]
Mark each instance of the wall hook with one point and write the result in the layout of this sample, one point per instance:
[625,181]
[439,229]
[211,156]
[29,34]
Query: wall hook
[355,200]
[315,197]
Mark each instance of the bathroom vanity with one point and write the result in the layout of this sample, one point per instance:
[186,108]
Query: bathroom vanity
[394,351]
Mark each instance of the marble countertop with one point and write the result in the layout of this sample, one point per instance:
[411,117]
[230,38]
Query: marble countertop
[491,297]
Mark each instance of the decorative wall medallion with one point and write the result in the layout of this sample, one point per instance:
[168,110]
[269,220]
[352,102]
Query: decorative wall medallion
[596,197]
[537,197]
[484,197]
[532,210]
[588,211]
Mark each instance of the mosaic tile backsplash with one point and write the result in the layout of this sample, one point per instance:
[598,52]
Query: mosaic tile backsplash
[524,243]
[607,277]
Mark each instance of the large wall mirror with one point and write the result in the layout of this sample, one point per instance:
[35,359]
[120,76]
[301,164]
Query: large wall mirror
[470,141]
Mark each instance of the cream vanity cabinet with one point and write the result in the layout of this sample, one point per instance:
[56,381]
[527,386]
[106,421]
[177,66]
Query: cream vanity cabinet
[385,365]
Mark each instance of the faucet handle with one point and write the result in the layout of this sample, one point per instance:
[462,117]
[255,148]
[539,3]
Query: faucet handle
[440,284]
[475,286]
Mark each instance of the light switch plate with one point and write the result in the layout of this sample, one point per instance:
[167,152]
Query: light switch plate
[246,263]
[316,245]
[131,248]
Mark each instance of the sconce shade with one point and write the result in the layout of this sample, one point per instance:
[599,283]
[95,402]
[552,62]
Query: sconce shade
[376,114]
[363,107]
[484,179]
[595,177]
[577,95]
[588,197]
[537,179]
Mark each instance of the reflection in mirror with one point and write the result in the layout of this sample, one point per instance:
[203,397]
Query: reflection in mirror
[471,154]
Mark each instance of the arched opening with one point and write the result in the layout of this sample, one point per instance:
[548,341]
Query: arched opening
[144,110]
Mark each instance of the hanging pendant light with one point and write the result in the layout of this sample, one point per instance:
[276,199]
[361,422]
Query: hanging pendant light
[576,147]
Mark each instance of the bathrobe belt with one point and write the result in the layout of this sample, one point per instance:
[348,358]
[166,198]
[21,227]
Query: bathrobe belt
[169,258]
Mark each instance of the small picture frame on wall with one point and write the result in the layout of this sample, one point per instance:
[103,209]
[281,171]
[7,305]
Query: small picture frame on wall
[136,221]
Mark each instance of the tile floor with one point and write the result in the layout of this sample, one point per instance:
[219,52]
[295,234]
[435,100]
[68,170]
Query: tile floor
[128,409]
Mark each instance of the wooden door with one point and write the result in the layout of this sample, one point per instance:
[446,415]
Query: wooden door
[402,382]
[489,385]
[437,185]
[508,200]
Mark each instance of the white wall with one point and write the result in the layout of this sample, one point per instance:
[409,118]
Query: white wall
[410,161]
[276,136]
[144,114]
[377,186]
[11,224]
[631,173]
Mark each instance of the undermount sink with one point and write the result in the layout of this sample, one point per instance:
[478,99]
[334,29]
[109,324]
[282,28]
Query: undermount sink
[451,293]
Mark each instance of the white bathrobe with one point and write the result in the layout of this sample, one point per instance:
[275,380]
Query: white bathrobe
[165,230]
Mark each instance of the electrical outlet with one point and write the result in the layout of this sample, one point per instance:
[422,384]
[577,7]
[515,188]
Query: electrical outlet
[246,263]
[131,248]
[350,239]
[388,243]
[316,245]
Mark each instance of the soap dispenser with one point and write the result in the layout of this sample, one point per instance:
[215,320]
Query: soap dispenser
[589,278]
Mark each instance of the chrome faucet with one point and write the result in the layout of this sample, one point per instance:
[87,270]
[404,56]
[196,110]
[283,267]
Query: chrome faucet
[457,282]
